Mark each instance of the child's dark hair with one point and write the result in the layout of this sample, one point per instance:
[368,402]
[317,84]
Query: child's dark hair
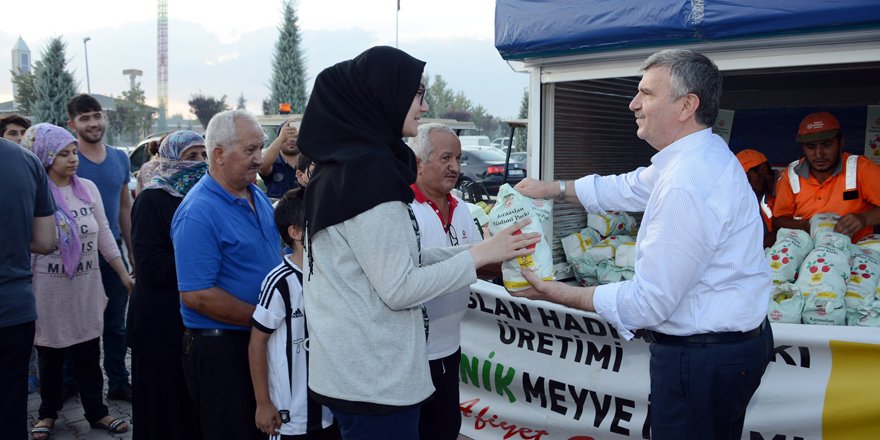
[82,103]
[303,162]
[290,211]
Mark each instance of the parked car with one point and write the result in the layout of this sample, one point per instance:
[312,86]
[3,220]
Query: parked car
[140,154]
[501,142]
[486,166]
[474,141]
[519,157]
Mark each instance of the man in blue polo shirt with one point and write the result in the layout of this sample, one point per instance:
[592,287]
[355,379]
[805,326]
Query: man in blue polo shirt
[225,242]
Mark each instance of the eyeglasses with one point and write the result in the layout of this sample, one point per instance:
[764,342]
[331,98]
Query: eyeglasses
[421,94]
[453,237]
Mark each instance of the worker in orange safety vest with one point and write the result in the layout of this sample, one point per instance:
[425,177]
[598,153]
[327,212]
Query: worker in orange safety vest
[827,180]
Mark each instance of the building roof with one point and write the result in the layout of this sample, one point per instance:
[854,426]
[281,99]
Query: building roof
[20,46]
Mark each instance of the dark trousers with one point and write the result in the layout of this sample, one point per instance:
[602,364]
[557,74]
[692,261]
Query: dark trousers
[16,342]
[701,391]
[160,400]
[219,381]
[114,327]
[85,358]
[440,417]
[401,425]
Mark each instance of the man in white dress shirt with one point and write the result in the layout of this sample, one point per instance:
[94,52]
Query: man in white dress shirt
[701,283]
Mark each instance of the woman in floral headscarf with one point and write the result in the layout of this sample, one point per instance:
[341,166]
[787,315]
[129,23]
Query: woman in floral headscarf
[67,284]
[161,403]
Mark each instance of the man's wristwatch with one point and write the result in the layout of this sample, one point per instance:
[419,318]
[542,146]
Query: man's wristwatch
[561,197]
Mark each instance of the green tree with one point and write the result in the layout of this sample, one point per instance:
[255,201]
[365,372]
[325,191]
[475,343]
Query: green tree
[439,97]
[25,90]
[138,117]
[446,103]
[288,82]
[521,139]
[241,103]
[53,84]
[205,107]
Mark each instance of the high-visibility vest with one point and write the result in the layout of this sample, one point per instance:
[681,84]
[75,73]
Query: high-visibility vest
[851,174]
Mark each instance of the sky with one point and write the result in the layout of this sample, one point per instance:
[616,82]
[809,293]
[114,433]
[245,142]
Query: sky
[225,47]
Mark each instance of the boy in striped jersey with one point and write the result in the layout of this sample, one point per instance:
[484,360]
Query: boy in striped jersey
[277,350]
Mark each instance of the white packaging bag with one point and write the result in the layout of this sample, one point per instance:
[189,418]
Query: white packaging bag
[606,249]
[822,280]
[822,223]
[861,287]
[612,223]
[542,210]
[786,304]
[626,255]
[871,242]
[866,315]
[575,244]
[512,207]
[786,255]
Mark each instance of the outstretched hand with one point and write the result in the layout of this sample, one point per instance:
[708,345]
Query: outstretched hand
[556,292]
[537,189]
[506,245]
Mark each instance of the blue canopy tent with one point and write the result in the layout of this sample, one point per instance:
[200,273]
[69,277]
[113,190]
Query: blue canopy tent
[544,28]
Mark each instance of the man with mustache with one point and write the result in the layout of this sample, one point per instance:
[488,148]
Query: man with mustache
[828,180]
[444,220]
[225,242]
[108,168]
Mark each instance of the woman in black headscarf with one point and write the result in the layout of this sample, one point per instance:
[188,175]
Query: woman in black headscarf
[160,399]
[367,276]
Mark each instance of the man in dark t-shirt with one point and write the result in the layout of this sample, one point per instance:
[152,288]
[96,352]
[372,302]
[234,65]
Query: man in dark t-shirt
[28,226]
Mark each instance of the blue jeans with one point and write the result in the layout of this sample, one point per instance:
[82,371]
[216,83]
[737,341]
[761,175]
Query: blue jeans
[114,327]
[395,426]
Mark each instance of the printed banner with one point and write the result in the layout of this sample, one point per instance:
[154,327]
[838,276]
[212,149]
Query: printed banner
[535,370]
[724,124]
[872,133]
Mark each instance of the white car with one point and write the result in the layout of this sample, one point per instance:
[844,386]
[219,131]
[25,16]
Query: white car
[501,143]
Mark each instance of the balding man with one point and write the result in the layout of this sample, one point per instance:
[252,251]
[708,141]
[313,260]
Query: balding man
[444,220]
[225,242]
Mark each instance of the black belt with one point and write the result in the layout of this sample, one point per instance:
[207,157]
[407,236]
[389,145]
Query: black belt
[214,332]
[704,338]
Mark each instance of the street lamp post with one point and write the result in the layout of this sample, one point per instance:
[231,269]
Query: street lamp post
[86,48]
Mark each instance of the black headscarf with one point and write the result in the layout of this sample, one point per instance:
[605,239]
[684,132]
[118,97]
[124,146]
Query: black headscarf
[352,129]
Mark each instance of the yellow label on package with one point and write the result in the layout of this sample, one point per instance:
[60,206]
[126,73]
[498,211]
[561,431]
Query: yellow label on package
[526,261]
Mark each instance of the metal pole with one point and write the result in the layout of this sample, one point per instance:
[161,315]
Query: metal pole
[86,48]
[397,26]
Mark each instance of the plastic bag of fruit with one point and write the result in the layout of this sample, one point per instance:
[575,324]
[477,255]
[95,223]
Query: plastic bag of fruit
[511,207]
[786,304]
[861,287]
[786,255]
[822,280]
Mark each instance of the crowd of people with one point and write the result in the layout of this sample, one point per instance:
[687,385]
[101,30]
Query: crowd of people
[336,312]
